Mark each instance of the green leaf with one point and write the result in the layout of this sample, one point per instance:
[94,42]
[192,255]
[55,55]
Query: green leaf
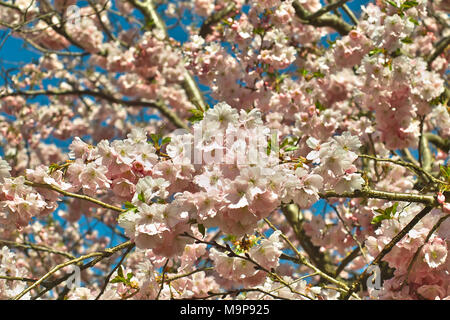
[155,137]
[285,142]
[117,279]
[129,205]
[407,40]
[141,196]
[445,171]
[120,271]
[414,21]
[197,115]
[166,140]
[259,31]
[291,148]
[319,106]
[375,51]
[409,4]
[318,74]
[129,276]
[52,168]
[303,72]
[201,229]
[392,3]
[385,214]
[230,238]
[378,219]
[269,147]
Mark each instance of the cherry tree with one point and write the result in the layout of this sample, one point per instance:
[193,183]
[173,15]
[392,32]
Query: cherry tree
[234,149]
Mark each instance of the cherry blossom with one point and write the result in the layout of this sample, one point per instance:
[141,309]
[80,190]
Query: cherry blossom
[224,150]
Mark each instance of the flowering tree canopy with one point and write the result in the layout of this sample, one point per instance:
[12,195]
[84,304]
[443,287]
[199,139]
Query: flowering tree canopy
[235,149]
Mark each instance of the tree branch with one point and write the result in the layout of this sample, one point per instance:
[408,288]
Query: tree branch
[385,195]
[356,285]
[439,47]
[73,195]
[100,254]
[207,25]
[168,113]
[28,245]
[324,20]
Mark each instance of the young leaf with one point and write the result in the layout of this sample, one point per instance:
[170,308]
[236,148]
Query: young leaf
[413,21]
[385,214]
[319,106]
[407,40]
[292,148]
[392,3]
[409,4]
[129,205]
[375,51]
[120,271]
[166,140]
[197,115]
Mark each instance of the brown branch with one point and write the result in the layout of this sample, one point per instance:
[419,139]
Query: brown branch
[439,48]
[168,113]
[303,260]
[439,142]
[28,245]
[356,285]
[73,195]
[349,258]
[68,275]
[385,195]
[324,20]
[415,168]
[325,9]
[207,25]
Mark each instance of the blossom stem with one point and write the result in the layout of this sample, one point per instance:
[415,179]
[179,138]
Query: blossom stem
[28,245]
[74,195]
